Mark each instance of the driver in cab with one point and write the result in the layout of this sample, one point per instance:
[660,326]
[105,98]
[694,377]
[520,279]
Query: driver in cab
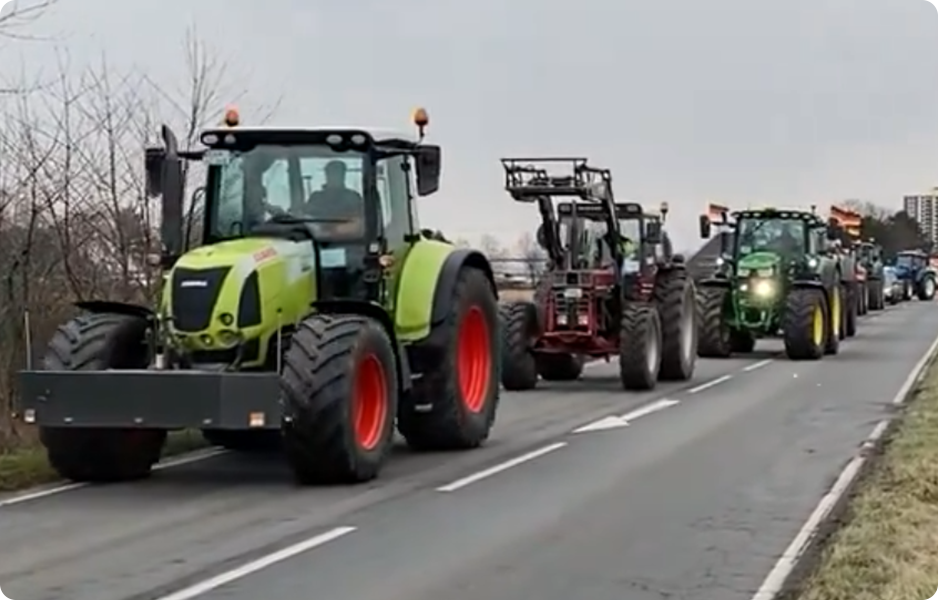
[336,201]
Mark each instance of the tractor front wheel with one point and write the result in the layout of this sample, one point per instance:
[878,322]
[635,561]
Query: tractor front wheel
[639,347]
[877,295]
[836,320]
[806,324]
[520,328]
[96,342]
[676,301]
[713,332]
[340,390]
[851,310]
[453,405]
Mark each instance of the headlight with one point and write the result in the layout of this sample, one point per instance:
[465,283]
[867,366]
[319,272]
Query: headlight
[720,262]
[812,263]
[764,289]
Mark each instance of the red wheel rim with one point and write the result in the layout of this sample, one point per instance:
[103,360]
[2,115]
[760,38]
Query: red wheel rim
[370,402]
[474,359]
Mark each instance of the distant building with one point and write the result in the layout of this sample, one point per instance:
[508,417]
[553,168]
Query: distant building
[924,209]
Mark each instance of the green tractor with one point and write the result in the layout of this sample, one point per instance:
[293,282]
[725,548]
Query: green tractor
[775,278]
[320,316]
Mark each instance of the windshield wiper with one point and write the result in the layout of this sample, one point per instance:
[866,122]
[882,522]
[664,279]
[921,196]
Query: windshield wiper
[289,219]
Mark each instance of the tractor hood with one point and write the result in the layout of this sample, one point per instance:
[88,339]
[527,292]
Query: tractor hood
[759,261]
[246,287]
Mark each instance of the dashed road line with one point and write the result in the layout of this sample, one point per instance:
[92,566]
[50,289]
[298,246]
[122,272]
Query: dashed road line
[709,384]
[499,468]
[758,365]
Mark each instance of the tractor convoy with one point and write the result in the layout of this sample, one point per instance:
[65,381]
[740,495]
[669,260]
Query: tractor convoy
[320,320]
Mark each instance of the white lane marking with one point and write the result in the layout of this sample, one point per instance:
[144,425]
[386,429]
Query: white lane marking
[508,464]
[616,422]
[772,585]
[256,565]
[758,365]
[649,409]
[603,424]
[710,384]
[184,459]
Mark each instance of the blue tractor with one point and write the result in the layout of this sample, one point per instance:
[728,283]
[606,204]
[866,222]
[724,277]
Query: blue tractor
[915,275]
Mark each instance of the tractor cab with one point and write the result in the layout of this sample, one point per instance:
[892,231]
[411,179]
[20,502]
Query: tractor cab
[315,215]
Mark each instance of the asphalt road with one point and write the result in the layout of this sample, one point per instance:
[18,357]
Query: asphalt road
[695,498]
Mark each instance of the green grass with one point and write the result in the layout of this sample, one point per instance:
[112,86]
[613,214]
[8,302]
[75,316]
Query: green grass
[28,467]
[887,545]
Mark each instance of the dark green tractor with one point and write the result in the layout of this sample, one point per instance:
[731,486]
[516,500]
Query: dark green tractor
[775,278]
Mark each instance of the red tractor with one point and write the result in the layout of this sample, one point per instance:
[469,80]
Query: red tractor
[612,287]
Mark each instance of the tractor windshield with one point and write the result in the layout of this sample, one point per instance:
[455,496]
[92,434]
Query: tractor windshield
[910,260]
[311,183]
[782,236]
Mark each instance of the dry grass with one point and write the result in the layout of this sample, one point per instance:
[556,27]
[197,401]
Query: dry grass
[28,467]
[887,548]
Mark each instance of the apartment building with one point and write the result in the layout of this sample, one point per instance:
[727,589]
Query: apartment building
[924,209]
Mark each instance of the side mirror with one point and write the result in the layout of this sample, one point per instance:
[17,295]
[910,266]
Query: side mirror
[653,232]
[429,164]
[171,227]
[153,164]
[705,227]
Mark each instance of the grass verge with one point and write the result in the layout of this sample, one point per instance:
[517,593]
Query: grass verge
[887,545]
[28,467]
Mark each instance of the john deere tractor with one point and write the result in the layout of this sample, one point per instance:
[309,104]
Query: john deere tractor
[311,309]
[774,279]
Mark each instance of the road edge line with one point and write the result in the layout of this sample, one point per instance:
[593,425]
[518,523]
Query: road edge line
[61,487]
[799,556]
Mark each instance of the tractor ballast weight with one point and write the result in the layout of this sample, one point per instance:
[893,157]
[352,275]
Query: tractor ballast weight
[915,274]
[612,287]
[774,278]
[287,322]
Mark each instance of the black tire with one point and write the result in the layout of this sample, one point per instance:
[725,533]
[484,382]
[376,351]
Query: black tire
[639,347]
[95,342]
[259,442]
[836,320]
[863,307]
[803,306]
[438,415]
[519,330]
[926,289]
[742,342]
[877,295]
[559,367]
[676,300]
[714,337]
[906,291]
[851,312]
[328,357]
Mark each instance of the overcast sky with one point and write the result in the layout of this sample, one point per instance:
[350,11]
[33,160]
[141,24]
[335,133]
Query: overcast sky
[757,102]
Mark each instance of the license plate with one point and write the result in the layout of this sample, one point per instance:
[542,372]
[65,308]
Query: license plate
[573,293]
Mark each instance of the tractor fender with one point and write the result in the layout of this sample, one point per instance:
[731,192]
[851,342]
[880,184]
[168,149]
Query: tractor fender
[446,280]
[379,314]
[117,308]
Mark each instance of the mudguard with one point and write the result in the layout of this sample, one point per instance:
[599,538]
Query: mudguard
[117,308]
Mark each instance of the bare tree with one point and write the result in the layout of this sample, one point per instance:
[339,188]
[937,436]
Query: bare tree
[533,256]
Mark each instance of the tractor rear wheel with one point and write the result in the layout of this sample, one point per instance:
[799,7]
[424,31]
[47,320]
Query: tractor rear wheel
[559,366]
[520,328]
[714,334]
[926,288]
[806,324]
[836,320]
[639,347]
[458,393]
[851,310]
[676,301]
[96,342]
[863,293]
[877,300]
[340,390]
